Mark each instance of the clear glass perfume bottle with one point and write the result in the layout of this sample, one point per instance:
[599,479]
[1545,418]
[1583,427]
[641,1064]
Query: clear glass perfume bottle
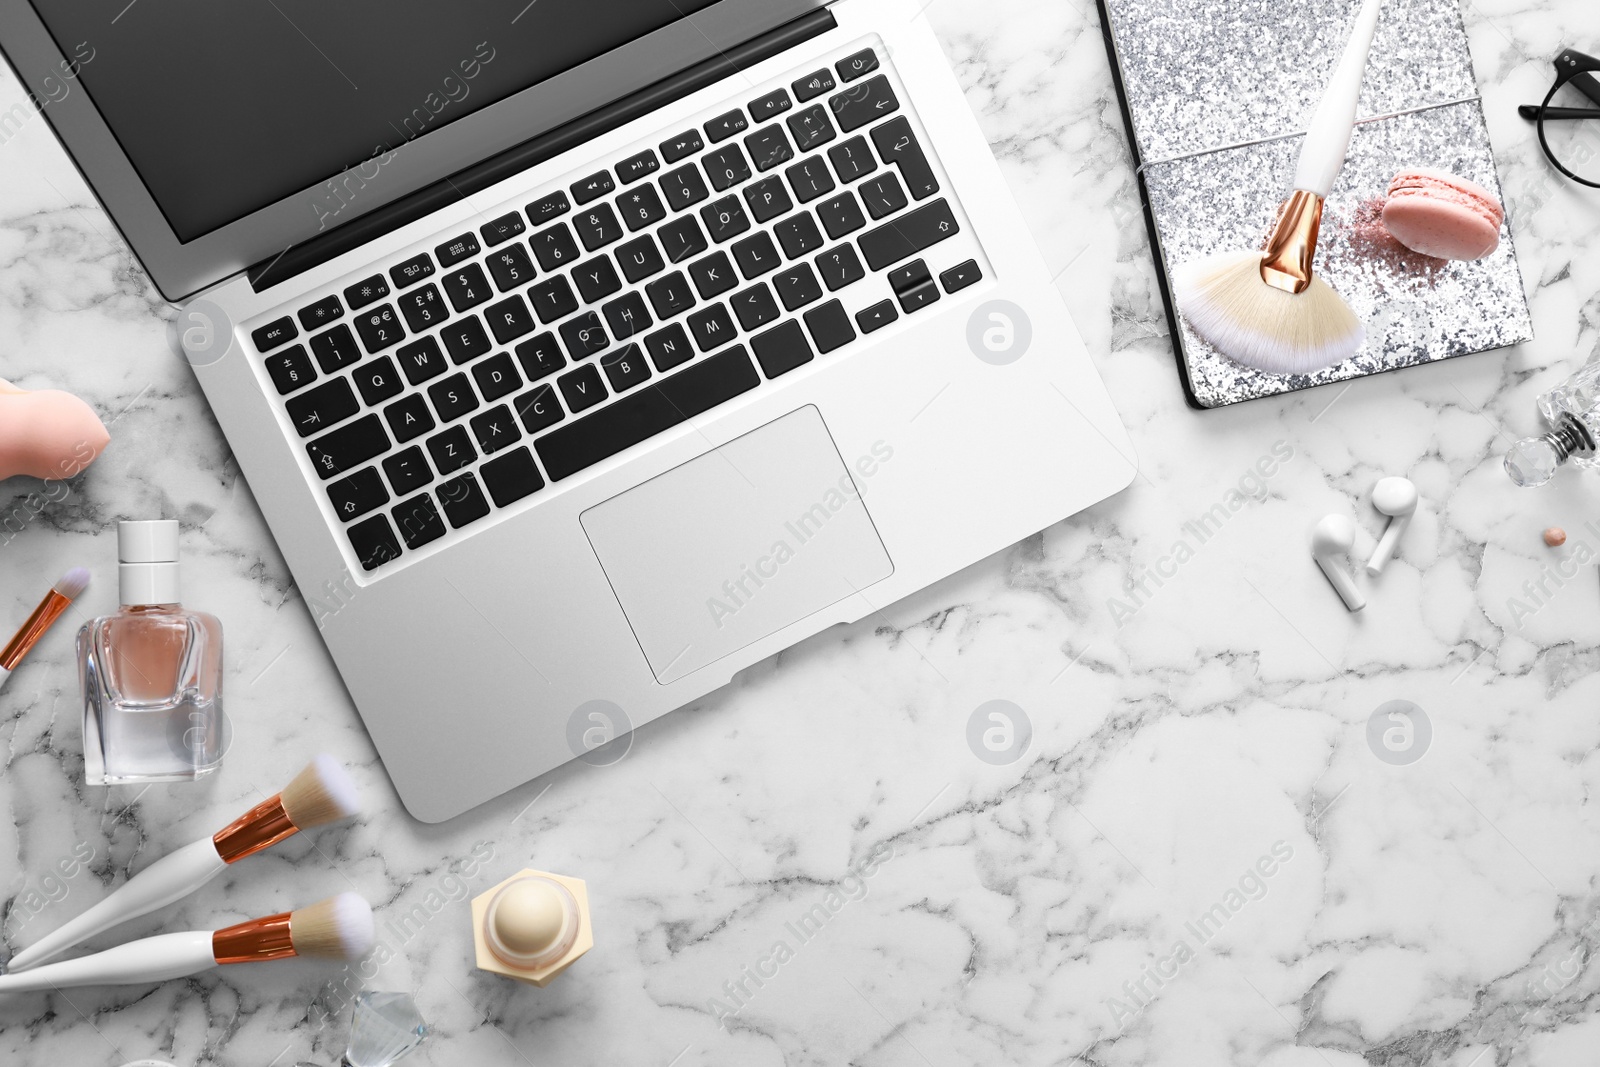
[152,673]
[1572,411]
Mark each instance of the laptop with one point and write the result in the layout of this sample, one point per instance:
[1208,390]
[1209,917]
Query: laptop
[578,363]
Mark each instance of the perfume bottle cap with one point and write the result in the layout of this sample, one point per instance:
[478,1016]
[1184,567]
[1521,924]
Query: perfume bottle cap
[147,554]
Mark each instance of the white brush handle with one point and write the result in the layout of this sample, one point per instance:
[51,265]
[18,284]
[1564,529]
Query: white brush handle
[1328,137]
[4,674]
[154,959]
[167,879]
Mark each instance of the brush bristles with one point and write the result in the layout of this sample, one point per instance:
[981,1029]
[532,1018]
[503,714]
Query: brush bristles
[339,928]
[1249,321]
[322,793]
[73,583]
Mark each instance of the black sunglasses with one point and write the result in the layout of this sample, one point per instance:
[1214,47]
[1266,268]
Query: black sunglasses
[1577,70]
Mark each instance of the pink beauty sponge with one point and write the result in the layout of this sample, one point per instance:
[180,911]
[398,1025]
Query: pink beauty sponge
[47,434]
[1442,216]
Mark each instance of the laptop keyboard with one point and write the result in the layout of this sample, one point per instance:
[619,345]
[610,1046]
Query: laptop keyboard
[462,380]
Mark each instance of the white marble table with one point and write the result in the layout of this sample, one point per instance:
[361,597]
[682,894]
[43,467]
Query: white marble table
[1442,912]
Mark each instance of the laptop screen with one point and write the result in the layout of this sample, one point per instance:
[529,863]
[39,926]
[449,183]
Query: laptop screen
[224,108]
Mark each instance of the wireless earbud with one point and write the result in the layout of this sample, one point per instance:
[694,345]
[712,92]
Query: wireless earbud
[1334,536]
[1396,498]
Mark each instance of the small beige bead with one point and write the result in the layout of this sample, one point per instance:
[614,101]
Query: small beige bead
[1555,537]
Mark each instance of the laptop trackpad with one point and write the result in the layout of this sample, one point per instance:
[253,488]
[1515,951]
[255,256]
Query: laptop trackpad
[736,544]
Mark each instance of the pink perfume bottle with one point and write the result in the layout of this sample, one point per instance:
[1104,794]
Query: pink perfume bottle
[152,673]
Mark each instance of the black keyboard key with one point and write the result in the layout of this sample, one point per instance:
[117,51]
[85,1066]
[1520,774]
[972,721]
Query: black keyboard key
[670,295]
[908,234]
[465,339]
[726,167]
[540,356]
[412,270]
[769,105]
[754,306]
[548,207]
[713,275]
[638,166]
[898,145]
[328,309]
[451,450]
[829,326]
[960,276]
[365,292]
[452,397]
[421,360]
[423,308]
[627,315]
[407,471]
[358,494]
[684,187]
[509,319]
[374,542]
[799,235]
[452,252]
[853,159]
[768,199]
[462,500]
[725,218]
[467,287]
[863,103]
[682,238]
[511,477]
[275,333]
[797,286]
[495,429]
[409,418]
[810,178]
[596,279]
[811,128]
[856,64]
[553,299]
[379,328]
[756,255]
[335,349]
[499,231]
[584,336]
[712,327]
[876,317]
[768,147]
[839,267]
[725,126]
[349,446]
[291,369]
[625,368]
[684,144]
[377,380]
[595,185]
[539,408]
[812,85]
[418,520]
[582,387]
[640,207]
[781,349]
[640,258]
[510,267]
[554,246]
[913,286]
[670,347]
[325,406]
[882,195]
[496,376]
[597,226]
[841,215]
[645,413]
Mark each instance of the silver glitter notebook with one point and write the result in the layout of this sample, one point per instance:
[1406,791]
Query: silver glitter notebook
[1216,95]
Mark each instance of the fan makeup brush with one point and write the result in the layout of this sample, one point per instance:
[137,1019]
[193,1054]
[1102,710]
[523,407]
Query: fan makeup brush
[55,602]
[339,928]
[1267,309]
[322,793]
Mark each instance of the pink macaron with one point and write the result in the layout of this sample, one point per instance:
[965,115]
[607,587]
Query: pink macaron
[1442,215]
